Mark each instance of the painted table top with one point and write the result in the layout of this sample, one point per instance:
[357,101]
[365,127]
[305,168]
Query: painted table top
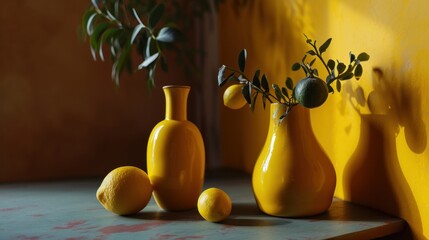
[69,210]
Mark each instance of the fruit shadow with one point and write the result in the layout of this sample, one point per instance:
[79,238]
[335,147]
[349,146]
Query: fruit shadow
[242,214]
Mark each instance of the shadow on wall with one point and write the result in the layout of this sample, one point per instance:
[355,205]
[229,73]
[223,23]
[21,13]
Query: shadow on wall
[373,175]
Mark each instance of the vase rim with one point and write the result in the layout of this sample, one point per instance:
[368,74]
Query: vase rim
[176,86]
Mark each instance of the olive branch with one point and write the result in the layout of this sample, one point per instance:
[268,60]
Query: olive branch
[259,85]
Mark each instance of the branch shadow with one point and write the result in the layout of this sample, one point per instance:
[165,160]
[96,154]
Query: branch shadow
[373,176]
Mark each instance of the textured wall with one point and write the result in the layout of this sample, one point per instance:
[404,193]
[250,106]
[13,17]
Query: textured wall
[60,114]
[375,130]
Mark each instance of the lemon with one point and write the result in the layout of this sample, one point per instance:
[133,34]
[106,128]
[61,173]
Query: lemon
[214,205]
[233,98]
[311,92]
[125,190]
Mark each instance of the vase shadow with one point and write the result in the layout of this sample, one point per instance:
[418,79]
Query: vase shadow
[191,215]
[373,176]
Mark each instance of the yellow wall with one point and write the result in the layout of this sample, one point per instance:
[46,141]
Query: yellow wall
[375,130]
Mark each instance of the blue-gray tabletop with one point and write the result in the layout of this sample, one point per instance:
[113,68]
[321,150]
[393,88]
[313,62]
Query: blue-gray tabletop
[70,210]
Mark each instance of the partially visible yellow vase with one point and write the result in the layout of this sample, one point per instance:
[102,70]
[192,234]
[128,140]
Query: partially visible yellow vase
[176,155]
[293,176]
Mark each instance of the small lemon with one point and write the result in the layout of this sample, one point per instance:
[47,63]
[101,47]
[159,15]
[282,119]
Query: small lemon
[125,190]
[233,98]
[311,92]
[214,205]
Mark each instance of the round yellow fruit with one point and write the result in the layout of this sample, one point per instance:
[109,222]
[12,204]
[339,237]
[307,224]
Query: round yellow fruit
[214,205]
[233,98]
[311,92]
[125,190]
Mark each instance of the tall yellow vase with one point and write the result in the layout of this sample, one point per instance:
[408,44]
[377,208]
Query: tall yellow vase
[176,155]
[293,176]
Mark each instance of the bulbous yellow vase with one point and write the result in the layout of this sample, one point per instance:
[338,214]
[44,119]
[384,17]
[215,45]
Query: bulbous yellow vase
[176,155]
[293,176]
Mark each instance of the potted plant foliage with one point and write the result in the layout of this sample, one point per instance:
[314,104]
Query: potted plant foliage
[118,28]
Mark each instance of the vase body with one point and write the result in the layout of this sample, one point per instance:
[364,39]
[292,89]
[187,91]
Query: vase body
[176,155]
[293,176]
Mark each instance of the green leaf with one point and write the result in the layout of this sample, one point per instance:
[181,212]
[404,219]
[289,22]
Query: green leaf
[168,35]
[331,64]
[110,16]
[358,71]
[312,62]
[285,93]
[242,59]
[289,83]
[95,4]
[305,69]
[255,97]
[156,14]
[347,76]
[338,86]
[312,52]
[315,72]
[148,61]
[119,64]
[296,66]
[136,31]
[136,15]
[105,37]
[341,67]
[352,57]
[220,73]
[96,36]
[264,83]
[246,91]
[89,22]
[325,46]
[330,78]
[256,81]
[278,92]
[151,79]
[108,34]
[303,58]
[363,57]
[331,90]
[148,47]
[85,18]
[308,40]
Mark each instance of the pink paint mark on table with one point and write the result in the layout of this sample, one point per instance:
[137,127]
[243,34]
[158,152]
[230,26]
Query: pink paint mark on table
[175,237]
[11,209]
[25,237]
[71,225]
[190,237]
[131,228]
[76,238]
[165,236]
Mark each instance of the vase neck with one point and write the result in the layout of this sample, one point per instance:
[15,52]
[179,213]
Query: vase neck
[297,114]
[298,118]
[176,98]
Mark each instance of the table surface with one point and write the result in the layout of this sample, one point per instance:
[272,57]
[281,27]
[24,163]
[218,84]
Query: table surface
[69,210]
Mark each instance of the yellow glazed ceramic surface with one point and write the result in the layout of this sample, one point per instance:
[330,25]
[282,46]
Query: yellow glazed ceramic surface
[176,155]
[293,177]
